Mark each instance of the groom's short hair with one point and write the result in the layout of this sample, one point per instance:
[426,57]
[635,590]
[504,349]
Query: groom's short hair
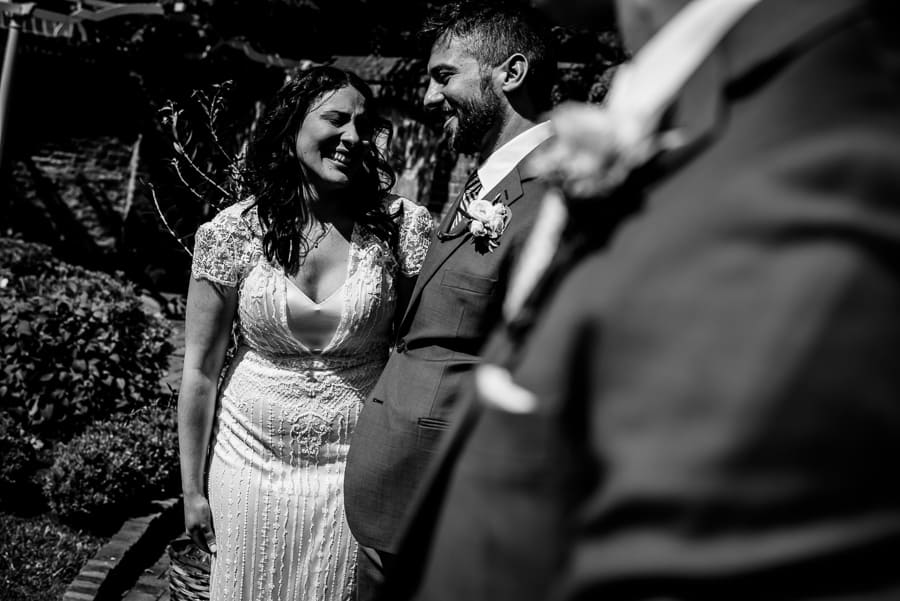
[496,31]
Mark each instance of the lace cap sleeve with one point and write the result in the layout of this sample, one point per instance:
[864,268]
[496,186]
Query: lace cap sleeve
[415,228]
[224,247]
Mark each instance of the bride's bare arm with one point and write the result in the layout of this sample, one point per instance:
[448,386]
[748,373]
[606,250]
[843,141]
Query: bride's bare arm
[209,315]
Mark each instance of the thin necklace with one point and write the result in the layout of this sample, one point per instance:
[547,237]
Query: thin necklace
[326,229]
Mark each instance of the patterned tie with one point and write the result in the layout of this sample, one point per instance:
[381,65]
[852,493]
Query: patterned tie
[470,193]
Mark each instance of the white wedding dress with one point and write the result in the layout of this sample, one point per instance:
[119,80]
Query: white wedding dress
[286,411]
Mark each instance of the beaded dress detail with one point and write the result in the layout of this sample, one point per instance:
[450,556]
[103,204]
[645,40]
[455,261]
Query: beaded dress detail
[285,413]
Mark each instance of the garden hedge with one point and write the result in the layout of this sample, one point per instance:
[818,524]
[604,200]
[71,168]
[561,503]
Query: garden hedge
[114,467]
[77,344]
[18,466]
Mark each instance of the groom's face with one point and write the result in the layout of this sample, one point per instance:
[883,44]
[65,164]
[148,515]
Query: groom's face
[461,91]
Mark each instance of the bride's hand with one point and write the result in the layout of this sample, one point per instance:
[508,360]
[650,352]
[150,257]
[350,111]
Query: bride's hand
[198,522]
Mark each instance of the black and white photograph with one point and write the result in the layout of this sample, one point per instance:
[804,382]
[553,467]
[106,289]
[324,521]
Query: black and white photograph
[413,300]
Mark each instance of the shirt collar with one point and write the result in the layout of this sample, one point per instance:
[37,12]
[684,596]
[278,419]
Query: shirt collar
[504,159]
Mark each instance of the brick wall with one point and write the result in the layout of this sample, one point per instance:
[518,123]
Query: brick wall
[70,189]
[90,176]
[76,195]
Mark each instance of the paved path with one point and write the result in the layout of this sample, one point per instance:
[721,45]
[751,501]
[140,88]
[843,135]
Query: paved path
[153,584]
[172,380]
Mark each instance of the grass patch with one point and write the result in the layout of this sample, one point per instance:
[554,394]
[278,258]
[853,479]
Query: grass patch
[39,557]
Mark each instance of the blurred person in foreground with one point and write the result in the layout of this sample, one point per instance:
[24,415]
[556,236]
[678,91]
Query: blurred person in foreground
[707,405]
[491,71]
[309,269]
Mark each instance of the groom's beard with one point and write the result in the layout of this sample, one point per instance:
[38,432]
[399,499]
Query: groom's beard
[475,118]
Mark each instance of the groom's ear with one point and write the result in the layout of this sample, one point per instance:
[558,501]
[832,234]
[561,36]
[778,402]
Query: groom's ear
[513,72]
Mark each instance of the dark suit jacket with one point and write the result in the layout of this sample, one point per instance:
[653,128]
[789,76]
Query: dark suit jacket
[720,392]
[454,305]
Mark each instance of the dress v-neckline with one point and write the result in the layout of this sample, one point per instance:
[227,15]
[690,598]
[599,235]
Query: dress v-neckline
[327,298]
[351,259]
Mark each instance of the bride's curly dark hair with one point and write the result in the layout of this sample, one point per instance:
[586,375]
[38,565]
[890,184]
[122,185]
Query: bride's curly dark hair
[282,193]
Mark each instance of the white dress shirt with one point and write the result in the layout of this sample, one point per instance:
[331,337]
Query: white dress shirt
[503,160]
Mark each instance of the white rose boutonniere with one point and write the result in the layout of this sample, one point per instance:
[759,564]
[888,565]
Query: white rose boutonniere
[488,219]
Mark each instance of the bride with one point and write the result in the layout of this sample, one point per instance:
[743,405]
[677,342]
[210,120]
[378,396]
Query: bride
[309,269]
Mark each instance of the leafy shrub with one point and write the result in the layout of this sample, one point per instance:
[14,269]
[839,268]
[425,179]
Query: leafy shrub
[115,467]
[18,467]
[77,344]
[39,557]
[19,258]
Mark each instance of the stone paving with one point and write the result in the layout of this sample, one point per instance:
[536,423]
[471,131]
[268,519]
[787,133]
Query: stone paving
[172,379]
[176,360]
[153,584]
[132,560]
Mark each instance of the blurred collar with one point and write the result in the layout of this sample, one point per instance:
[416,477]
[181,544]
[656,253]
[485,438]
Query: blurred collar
[644,87]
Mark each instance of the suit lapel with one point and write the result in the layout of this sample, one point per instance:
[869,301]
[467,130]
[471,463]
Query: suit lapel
[509,190]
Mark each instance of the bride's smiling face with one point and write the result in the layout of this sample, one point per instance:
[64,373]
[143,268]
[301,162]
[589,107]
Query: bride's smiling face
[332,137]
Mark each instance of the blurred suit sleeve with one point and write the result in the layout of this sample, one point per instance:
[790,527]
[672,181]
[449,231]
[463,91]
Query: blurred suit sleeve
[738,372]
[742,411]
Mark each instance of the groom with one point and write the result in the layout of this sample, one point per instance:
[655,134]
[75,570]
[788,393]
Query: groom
[705,408]
[491,70]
